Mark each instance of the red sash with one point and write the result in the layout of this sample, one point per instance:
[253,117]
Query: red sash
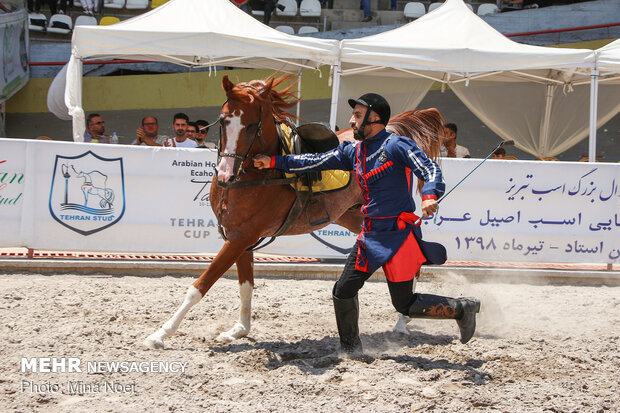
[405,264]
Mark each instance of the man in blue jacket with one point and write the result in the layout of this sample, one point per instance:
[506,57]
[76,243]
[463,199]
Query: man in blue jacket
[390,235]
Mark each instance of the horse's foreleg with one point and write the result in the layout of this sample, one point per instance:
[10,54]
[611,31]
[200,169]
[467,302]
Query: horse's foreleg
[245,272]
[222,262]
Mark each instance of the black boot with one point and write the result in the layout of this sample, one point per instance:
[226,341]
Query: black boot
[347,314]
[463,310]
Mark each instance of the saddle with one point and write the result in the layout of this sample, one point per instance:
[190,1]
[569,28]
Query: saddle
[312,138]
[309,138]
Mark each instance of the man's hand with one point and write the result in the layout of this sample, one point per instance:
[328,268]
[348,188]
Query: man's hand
[429,206]
[262,161]
[139,136]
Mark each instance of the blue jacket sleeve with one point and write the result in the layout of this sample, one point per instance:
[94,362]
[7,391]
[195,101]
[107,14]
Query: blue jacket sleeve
[427,170]
[341,158]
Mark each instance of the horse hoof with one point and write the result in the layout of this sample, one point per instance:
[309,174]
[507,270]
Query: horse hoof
[225,338]
[154,342]
[234,333]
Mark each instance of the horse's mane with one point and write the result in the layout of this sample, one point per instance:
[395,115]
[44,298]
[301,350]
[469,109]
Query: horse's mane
[425,127]
[265,92]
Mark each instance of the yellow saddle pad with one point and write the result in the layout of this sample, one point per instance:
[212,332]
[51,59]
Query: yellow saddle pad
[331,180]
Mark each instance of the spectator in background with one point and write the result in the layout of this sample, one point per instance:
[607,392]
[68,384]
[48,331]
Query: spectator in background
[63,6]
[37,6]
[147,133]
[90,6]
[191,131]
[179,125]
[450,148]
[96,129]
[500,153]
[365,5]
[270,6]
[201,136]
[242,4]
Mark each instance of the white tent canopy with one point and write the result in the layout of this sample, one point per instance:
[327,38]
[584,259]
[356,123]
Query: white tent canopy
[454,46]
[194,33]
[608,58]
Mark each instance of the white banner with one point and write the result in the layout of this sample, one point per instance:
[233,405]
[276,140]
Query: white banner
[92,197]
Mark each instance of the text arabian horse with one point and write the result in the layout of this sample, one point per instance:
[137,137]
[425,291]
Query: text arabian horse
[249,208]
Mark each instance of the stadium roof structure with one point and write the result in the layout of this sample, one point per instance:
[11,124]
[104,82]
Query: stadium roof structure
[192,33]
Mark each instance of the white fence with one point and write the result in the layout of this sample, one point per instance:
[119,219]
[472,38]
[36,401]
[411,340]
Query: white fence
[91,197]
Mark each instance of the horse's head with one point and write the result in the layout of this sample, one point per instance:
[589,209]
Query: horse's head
[247,123]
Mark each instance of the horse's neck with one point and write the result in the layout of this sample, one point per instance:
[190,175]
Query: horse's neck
[271,138]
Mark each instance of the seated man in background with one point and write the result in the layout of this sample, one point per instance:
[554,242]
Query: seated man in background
[147,133]
[450,149]
[96,129]
[500,153]
[201,136]
[179,125]
[191,131]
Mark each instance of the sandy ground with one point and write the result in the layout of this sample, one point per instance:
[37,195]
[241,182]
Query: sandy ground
[537,348]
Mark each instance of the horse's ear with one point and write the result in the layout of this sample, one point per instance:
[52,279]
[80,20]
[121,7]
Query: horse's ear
[227,85]
[268,86]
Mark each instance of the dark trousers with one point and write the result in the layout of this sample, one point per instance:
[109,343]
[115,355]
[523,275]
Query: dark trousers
[269,6]
[52,4]
[352,280]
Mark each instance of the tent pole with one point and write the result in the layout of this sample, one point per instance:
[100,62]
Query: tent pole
[335,92]
[593,114]
[544,129]
[298,96]
[73,97]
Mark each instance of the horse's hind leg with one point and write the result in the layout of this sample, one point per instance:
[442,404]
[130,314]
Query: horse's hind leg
[222,262]
[245,272]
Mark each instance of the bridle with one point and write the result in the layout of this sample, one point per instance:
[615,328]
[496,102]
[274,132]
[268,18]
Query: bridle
[256,132]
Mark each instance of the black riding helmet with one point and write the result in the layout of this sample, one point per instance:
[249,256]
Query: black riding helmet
[376,103]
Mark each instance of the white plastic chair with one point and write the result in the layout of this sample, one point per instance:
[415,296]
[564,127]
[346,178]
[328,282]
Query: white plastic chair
[37,22]
[285,29]
[60,23]
[114,4]
[487,8]
[310,8]
[433,6]
[84,20]
[307,29]
[414,10]
[290,8]
[136,4]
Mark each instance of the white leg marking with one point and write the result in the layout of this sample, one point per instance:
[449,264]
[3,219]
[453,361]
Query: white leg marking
[401,324]
[156,340]
[233,129]
[241,327]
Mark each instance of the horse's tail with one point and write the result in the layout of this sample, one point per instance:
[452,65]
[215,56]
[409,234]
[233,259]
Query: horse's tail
[425,127]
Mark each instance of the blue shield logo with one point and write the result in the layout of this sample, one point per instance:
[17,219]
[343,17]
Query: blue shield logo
[87,194]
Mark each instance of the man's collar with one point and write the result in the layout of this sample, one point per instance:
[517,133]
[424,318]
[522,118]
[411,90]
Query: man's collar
[379,135]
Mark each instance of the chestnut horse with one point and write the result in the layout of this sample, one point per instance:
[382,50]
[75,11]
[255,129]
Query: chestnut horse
[249,208]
